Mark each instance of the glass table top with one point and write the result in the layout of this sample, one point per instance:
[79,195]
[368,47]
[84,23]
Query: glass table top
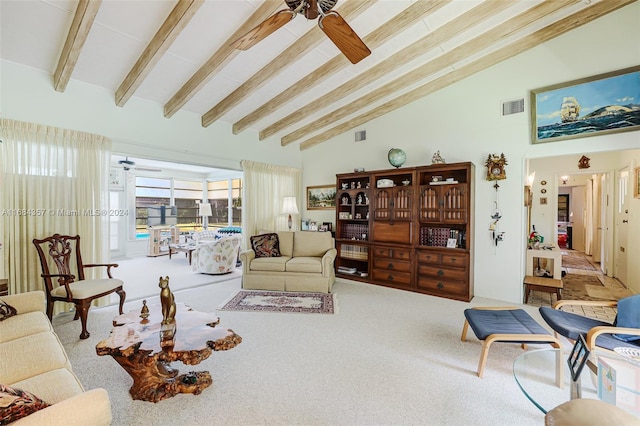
[535,373]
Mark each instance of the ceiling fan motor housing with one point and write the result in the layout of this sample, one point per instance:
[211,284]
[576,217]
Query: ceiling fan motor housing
[324,5]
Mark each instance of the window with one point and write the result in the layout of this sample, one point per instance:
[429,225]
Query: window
[169,201]
[226,204]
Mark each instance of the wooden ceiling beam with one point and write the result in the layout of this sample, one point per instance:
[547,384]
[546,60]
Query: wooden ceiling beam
[465,50]
[415,12]
[219,59]
[485,10]
[543,35]
[80,26]
[168,32]
[304,44]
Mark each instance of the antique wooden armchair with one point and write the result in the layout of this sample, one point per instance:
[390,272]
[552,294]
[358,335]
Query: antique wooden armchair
[61,254]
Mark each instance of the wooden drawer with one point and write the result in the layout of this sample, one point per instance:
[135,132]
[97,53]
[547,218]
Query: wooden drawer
[391,264]
[443,286]
[429,257]
[455,260]
[392,253]
[442,273]
[392,277]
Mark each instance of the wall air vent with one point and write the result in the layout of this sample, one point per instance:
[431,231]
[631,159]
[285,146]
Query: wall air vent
[514,106]
[361,136]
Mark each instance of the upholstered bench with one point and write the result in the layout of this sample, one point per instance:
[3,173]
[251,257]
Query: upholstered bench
[504,324]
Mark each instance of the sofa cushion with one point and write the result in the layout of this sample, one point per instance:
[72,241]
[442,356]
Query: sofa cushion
[6,311]
[275,264]
[31,355]
[52,386]
[286,243]
[311,243]
[305,264]
[265,245]
[16,404]
[24,325]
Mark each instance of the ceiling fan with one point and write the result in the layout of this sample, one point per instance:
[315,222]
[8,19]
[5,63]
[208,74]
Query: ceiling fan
[129,164]
[329,21]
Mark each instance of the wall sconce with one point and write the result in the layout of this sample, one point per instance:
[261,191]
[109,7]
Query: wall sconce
[564,178]
[528,194]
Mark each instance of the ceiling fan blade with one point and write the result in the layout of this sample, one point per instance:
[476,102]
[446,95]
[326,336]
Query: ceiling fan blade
[343,36]
[147,169]
[267,27]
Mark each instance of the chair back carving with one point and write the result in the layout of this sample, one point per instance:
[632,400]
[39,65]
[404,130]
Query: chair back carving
[61,252]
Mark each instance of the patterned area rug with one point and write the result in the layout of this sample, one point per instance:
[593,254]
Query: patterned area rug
[281,301]
[584,287]
[576,261]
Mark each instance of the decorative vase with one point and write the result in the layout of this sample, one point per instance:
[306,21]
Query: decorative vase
[396,157]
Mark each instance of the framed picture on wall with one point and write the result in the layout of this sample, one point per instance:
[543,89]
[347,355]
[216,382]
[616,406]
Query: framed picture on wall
[321,197]
[636,187]
[597,105]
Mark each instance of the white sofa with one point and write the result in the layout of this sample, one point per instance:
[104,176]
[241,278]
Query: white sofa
[32,359]
[305,264]
[217,256]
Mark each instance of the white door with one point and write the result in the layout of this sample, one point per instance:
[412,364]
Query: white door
[622,226]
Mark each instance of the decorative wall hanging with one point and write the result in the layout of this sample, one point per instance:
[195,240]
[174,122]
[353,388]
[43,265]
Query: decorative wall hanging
[583,162]
[322,197]
[557,114]
[495,167]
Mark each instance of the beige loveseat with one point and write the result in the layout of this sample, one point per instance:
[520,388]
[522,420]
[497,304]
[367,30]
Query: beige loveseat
[305,264]
[33,359]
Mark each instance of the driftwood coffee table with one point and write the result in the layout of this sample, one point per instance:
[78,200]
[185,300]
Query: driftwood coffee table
[145,350]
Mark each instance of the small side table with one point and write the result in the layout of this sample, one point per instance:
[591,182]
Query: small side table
[548,285]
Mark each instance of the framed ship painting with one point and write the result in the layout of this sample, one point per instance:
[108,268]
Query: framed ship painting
[592,106]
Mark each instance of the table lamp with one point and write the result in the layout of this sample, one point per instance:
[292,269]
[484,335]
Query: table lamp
[204,210]
[289,207]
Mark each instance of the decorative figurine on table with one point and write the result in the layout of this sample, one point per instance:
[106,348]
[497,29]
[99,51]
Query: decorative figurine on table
[167,301]
[168,327]
[144,312]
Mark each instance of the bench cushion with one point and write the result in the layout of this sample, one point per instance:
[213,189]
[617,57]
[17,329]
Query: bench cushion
[485,322]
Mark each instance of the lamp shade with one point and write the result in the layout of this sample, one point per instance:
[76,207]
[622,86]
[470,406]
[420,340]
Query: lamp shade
[289,205]
[204,209]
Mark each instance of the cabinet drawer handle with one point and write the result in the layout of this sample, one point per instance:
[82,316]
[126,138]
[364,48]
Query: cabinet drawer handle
[454,260]
[390,277]
[440,286]
[440,272]
[390,266]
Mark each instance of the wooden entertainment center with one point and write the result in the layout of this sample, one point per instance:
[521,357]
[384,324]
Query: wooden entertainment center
[408,228]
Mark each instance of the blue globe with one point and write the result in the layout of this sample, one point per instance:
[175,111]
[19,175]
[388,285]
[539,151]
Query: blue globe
[396,157]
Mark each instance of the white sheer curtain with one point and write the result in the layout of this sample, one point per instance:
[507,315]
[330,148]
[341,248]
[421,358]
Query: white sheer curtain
[53,181]
[264,186]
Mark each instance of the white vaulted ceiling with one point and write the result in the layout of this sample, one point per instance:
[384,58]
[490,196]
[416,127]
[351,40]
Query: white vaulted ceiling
[294,85]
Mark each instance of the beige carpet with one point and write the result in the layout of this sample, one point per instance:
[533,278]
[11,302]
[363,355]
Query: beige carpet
[390,357]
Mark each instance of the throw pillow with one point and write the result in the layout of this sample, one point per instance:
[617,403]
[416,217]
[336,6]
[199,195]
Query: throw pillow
[6,310]
[628,317]
[16,404]
[266,245]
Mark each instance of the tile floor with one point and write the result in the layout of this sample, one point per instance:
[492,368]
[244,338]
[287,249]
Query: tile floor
[538,298]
